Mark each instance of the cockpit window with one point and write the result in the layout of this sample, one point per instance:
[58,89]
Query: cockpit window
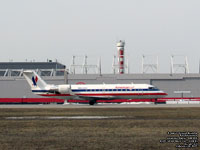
[153,88]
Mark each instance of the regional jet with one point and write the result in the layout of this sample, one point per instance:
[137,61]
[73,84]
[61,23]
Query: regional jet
[91,92]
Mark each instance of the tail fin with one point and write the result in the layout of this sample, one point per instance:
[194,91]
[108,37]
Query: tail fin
[34,80]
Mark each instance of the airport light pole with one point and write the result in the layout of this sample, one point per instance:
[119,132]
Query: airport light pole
[66,73]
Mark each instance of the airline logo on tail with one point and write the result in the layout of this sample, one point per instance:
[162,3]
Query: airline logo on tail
[35,80]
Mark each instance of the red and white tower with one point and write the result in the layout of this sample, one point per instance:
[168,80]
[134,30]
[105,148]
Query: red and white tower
[120,49]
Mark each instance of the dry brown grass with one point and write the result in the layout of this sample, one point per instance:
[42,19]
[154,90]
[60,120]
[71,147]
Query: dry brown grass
[140,129]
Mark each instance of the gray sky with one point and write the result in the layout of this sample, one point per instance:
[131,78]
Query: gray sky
[59,29]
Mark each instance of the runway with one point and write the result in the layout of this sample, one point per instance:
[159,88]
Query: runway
[102,106]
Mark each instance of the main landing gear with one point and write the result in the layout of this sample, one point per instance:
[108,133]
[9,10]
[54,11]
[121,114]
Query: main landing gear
[92,102]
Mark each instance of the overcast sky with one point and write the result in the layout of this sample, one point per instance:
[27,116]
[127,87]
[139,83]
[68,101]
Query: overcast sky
[58,29]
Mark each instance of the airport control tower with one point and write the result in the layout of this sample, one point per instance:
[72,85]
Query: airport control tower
[120,49]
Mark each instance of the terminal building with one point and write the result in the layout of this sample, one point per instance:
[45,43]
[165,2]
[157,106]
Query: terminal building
[49,68]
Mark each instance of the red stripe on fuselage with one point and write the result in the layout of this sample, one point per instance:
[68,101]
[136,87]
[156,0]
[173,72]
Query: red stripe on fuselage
[121,94]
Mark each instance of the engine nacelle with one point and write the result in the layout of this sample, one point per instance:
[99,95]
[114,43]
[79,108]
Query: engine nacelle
[64,89]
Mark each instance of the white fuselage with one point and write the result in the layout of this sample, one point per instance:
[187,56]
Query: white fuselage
[105,91]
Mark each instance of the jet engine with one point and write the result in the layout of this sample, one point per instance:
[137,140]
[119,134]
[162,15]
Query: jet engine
[64,89]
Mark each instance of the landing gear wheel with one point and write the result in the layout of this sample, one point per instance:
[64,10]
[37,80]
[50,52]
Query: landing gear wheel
[92,102]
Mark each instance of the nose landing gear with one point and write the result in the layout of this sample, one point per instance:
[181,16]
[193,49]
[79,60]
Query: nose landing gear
[156,101]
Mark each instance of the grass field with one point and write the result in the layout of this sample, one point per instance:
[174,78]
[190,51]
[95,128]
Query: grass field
[137,128]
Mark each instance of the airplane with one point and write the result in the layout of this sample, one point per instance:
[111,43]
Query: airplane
[91,92]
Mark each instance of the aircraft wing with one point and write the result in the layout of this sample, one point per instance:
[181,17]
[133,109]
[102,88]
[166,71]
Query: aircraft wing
[83,97]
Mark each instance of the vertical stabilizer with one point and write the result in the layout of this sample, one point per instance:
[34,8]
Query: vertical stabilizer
[34,80]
